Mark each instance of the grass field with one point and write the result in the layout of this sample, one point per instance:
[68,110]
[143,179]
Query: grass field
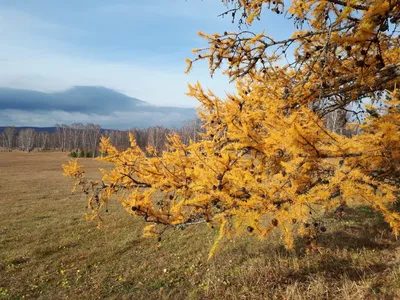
[48,251]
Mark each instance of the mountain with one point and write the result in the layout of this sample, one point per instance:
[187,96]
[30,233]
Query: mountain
[41,129]
[37,129]
[107,106]
[84,99]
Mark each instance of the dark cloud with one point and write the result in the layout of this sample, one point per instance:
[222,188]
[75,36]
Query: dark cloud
[85,104]
[84,99]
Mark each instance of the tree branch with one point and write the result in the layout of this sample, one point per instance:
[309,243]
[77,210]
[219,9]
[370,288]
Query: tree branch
[343,3]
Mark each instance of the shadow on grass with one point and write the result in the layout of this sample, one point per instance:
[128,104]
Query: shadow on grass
[128,246]
[360,230]
[49,250]
[359,238]
[333,269]
[245,264]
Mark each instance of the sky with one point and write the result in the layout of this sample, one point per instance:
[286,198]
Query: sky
[134,47]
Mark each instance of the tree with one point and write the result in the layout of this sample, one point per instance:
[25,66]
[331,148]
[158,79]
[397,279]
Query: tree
[118,138]
[43,140]
[191,130]
[93,134]
[336,121]
[26,139]
[62,136]
[9,136]
[157,137]
[76,134]
[267,160]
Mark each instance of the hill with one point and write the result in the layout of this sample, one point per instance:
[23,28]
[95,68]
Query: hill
[111,107]
[37,129]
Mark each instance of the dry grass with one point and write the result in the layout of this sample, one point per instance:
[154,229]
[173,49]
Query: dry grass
[48,251]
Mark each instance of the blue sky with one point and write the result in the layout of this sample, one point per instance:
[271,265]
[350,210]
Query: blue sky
[135,47]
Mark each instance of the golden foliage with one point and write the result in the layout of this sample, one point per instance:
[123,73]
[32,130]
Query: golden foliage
[267,160]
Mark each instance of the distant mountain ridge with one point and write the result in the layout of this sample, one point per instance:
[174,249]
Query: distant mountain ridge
[42,129]
[37,129]
[91,100]
[77,99]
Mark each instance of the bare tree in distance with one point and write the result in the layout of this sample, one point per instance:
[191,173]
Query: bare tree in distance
[93,136]
[157,137]
[337,121]
[61,136]
[76,135]
[84,138]
[9,137]
[26,139]
[120,138]
[191,130]
[43,140]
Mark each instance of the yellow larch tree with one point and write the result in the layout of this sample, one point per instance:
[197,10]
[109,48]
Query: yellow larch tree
[268,161]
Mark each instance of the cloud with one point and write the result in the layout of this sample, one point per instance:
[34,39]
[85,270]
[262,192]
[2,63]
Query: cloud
[86,104]
[38,56]
[48,51]
[159,85]
[114,120]
[78,99]
[22,29]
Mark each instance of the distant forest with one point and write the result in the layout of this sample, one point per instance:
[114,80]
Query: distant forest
[79,137]
[85,138]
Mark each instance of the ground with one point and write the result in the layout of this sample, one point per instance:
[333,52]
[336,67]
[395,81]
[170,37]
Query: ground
[49,251]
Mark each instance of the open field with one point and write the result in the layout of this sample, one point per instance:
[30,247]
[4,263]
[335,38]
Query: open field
[48,251]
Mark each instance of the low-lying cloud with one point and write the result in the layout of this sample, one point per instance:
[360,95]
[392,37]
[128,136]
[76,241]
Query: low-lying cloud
[99,105]
[78,99]
[114,120]
[48,50]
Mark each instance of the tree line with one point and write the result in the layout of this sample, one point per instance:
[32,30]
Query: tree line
[79,137]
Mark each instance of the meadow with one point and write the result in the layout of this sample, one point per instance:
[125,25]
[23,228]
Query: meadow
[49,251]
